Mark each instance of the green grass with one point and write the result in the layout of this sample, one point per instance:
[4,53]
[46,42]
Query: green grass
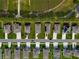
[75,57]
[12,36]
[0,5]
[77,36]
[65,6]
[43,4]
[36,5]
[12,5]
[69,36]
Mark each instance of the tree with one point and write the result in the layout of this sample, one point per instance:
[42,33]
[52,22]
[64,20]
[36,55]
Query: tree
[76,1]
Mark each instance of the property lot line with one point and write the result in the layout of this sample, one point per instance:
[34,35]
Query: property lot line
[39,40]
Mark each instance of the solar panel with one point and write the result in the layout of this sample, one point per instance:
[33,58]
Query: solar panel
[7,53]
[17,53]
[36,53]
[45,53]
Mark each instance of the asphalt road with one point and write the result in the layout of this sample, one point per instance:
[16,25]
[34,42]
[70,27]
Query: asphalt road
[39,40]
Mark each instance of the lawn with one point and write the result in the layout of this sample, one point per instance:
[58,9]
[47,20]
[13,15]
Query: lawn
[67,5]
[42,5]
[36,5]
[12,6]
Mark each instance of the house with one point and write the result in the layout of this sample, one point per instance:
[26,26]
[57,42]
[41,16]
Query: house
[77,11]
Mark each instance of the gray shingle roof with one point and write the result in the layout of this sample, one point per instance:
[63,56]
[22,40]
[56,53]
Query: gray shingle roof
[77,8]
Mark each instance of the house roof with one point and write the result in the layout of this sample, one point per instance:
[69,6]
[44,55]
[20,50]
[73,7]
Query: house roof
[77,8]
